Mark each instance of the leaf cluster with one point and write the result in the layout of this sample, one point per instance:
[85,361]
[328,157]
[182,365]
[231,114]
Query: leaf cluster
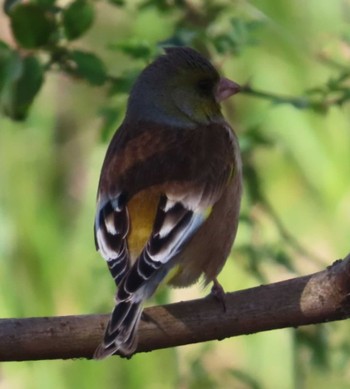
[43,31]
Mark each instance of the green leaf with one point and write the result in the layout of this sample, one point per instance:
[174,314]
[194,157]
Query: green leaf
[118,3]
[89,67]
[134,48]
[240,35]
[46,3]
[22,85]
[9,4]
[78,18]
[283,259]
[5,63]
[32,26]
[164,5]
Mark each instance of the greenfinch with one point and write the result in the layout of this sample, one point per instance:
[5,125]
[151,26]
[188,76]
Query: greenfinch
[170,188]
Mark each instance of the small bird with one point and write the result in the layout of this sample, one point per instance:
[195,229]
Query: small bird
[170,189]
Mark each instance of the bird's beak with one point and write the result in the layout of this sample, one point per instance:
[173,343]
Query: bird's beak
[225,89]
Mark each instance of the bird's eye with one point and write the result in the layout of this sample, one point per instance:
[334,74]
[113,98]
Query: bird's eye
[205,86]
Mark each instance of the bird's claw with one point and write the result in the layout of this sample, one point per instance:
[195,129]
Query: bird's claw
[217,291]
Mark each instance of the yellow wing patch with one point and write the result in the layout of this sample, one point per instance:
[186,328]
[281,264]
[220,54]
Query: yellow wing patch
[142,212]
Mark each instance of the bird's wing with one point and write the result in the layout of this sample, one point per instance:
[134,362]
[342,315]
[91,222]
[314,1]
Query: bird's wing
[111,230]
[174,225]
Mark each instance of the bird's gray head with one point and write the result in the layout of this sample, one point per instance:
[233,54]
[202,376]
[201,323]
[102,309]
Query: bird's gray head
[180,88]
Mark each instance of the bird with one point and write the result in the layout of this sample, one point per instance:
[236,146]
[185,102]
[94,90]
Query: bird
[170,189]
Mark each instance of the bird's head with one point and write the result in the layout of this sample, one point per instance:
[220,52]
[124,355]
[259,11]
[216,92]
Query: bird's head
[181,87]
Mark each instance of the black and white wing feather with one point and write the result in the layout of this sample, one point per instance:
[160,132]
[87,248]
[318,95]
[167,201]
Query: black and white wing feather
[111,230]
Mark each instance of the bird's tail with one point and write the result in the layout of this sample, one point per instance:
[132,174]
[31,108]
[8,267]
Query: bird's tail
[121,332]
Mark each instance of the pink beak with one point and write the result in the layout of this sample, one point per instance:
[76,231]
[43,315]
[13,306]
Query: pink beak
[225,89]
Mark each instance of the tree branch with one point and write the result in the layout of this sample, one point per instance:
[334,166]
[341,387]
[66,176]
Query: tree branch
[333,93]
[316,298]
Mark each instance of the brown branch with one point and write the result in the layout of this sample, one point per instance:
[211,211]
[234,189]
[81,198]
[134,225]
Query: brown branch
[312,299]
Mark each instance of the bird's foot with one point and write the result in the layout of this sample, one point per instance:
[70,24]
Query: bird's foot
[217,291]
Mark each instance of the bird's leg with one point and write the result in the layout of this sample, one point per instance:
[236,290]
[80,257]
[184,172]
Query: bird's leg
[218,292]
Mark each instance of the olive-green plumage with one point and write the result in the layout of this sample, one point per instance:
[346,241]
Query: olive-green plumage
[170,188]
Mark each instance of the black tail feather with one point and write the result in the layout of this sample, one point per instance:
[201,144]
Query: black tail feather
[121,332]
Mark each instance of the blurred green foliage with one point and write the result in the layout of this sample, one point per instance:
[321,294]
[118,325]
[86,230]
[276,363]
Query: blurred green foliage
[65,71]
